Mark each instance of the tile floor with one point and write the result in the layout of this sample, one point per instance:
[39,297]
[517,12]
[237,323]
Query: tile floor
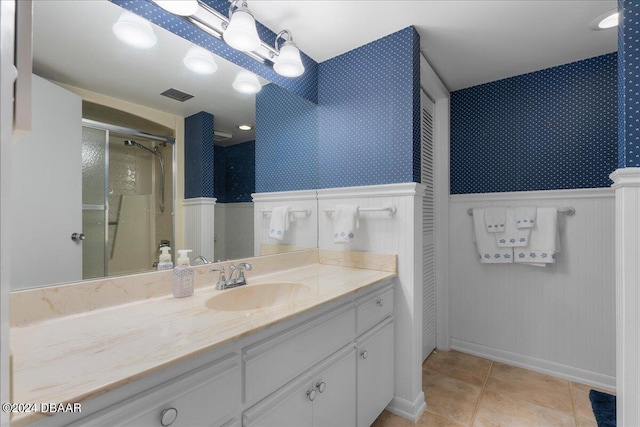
[465,390]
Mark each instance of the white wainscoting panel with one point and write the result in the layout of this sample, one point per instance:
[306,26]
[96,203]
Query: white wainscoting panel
[199,221]
[303,230]
[627,188]
[559,319]
[399,234]
[234,230]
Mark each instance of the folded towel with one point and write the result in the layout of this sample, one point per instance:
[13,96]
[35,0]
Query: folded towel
[279,222]
[345,221]
[544,244]
[512,237]
[494,219]
[525,216]
[488,252]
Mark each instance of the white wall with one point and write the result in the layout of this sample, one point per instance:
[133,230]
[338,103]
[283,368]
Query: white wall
[559,319]
[399,234]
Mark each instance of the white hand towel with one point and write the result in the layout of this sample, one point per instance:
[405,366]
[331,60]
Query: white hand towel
[525,216]
[345,221]
[494,219]
[512,237]
[279,222]
[544,244]
[488,252]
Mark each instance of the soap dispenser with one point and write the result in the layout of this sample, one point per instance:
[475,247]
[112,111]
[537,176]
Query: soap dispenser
[183,275]
[165,259]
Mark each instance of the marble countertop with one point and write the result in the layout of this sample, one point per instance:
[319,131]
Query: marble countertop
[75,357]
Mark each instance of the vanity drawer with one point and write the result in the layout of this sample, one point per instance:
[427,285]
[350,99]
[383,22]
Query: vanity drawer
[207,396]
[373,308]
[272,362]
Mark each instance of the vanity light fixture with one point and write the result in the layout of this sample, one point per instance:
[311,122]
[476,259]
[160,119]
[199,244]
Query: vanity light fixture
[608,19]
[200,60]
[134,31]
[241,33]
[179,7]
[244,127]
[246,82]
[288,63]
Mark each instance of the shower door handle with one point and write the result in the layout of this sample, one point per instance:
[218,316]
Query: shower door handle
[77,237]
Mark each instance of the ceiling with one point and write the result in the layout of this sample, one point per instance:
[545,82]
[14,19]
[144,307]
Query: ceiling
[467,42]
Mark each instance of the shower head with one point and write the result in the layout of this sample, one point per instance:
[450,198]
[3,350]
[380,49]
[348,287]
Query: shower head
[158,154]
[129,142]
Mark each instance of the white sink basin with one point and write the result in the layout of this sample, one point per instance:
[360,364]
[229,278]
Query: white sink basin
[258,296]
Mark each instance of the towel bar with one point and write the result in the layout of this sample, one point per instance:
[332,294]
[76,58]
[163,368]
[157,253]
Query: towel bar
[306,212]
[569,211]
[391,209]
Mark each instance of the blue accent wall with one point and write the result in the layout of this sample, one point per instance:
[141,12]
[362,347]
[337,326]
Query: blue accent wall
[305,86]
[235,172]
[198,156]
[547,130]
[628,89]
[286,148]
[369,109]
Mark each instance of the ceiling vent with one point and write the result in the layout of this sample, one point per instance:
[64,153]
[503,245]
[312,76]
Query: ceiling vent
[176,94]
[219,136]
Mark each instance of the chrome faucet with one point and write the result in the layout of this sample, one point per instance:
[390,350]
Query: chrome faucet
[224,283]
[202,260]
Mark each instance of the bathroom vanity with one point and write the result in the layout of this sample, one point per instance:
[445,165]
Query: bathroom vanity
[317,349]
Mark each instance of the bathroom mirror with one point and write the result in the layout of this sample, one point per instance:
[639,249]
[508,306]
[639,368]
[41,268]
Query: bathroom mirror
[127,149]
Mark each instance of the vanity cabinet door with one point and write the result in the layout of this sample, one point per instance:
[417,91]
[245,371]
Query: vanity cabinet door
[335,403]
[375,372]
[291,406]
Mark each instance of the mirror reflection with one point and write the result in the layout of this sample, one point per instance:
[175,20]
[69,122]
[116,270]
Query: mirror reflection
[108,144]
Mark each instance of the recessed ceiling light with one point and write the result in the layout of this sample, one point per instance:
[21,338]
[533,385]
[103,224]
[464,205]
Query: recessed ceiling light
[179,7]
[134,31]
[608,19]
[244,127]
[200,61]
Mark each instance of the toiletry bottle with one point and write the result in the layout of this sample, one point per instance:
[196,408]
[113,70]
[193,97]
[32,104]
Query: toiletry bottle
[165,259]
[183,275]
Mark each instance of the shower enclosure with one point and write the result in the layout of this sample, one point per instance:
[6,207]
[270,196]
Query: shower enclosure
[127,198]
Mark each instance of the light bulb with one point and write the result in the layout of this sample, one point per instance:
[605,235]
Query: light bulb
[200,61]
[246,82]
[134,31]
[241,33]
[289,63]
[609,21]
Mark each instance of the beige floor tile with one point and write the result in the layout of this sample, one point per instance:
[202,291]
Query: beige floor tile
[388,419]
[448,397]
[581,402]
[461,366]
[543,390]
[432,420]
[499,410]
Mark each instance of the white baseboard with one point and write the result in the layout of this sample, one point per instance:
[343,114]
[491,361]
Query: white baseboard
[407,409]
[570,373]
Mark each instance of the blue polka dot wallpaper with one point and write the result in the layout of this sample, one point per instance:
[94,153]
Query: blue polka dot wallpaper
[198,156]
[628,90]
[547,130]
[235,174]
[286,141]
[367,101]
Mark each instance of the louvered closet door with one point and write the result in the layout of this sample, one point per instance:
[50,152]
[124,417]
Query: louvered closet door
[428,230]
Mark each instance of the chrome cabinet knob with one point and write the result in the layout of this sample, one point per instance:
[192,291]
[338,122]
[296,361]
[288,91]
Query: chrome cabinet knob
[77,237]
[380,302]
[321,386]
[311,394]
[168,416]
[364,354]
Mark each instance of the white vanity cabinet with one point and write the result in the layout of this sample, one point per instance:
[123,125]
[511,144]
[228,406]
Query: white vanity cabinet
[324,397]
[207,396]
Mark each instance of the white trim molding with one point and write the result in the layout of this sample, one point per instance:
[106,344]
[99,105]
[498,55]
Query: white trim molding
[581,193]
[627,253]
[385,190]
[199,224]
[281,196]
